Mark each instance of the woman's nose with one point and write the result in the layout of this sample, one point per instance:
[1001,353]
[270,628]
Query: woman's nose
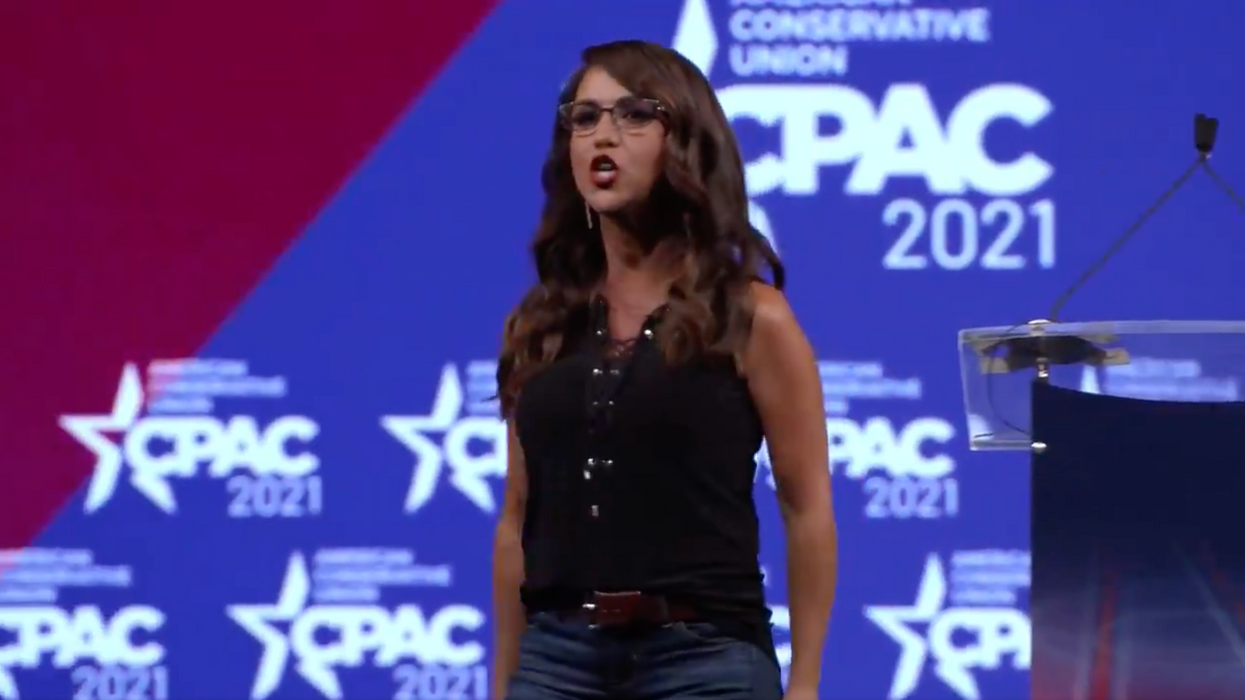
[607,131]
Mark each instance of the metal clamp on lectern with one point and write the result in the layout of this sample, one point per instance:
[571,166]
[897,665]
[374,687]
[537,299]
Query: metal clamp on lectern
[1039,351]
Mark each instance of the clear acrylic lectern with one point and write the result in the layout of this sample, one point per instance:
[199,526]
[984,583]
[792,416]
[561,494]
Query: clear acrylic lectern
[1198,361]
[1136,435]
[1137,486]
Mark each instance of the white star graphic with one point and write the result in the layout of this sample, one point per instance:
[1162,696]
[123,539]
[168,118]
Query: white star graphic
[414,431]
[780,618]
[88,430]
[894,620]
[694,36]
[8,685]
[256,619]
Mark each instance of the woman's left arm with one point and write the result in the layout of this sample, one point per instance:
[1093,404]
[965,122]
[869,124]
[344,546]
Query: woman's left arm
[786,387]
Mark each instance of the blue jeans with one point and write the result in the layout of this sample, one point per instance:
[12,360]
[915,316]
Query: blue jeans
[567,660]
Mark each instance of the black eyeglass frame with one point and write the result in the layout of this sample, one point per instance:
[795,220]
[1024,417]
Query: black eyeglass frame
[564,112]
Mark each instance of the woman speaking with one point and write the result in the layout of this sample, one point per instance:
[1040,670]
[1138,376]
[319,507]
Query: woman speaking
[638,378]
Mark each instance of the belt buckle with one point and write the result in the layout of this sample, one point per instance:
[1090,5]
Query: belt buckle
[613,609]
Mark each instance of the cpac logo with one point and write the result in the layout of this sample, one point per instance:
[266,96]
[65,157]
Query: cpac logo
[861,448]
[469,472]
[903,136]
[238,444]
[876,445]
[355,631]
[996,632]
[84,634]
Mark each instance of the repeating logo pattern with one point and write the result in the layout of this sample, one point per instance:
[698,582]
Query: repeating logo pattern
[984,607]
[304,509]
[268,470]
[107,648]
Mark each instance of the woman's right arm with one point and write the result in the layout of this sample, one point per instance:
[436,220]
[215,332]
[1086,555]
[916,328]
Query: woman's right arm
[509,618]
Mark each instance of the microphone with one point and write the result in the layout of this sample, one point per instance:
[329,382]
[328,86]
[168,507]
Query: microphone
[1205,131]
[1040,351]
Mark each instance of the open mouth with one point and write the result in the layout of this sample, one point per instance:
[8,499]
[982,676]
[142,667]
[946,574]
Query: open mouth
[604,171]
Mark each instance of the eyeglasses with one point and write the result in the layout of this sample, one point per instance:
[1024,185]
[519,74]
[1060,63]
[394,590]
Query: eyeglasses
[628,112]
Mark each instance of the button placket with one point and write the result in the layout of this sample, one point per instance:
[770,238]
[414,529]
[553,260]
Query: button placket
[603,384]
[597,422]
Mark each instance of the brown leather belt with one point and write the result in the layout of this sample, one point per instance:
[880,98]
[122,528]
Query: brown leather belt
[628,609]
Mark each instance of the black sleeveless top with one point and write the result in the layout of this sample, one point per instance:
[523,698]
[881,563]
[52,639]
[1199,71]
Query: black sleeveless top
[640,477]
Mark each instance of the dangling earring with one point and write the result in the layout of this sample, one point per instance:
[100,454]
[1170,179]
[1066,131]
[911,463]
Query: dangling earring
[588,214]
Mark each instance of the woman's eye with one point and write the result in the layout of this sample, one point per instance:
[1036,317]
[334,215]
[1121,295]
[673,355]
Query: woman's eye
[586,116]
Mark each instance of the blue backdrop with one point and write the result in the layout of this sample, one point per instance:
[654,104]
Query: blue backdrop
[305,510]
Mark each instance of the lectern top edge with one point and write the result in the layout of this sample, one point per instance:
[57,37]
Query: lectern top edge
[1104,328]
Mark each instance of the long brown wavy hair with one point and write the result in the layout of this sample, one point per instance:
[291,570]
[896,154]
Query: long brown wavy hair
[702,187]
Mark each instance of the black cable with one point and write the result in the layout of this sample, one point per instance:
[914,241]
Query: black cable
[1223,185]
[1205,131]
[995,415]
[1120,240]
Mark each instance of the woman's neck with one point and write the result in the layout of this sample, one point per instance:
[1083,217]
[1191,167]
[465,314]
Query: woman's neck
[635,276]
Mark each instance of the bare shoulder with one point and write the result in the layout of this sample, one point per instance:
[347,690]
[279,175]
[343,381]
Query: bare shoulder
[776,334]
[772,314]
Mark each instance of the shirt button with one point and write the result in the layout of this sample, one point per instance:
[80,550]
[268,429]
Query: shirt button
[614,372]
[596,371]
[587,475]
[596,511]
[592,461]
[607,463]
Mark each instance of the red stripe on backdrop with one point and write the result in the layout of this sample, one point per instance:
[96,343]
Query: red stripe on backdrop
[157,158]
[1103,668]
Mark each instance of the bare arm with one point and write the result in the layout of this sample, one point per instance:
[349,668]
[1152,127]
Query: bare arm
[509,618]
[786,387]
